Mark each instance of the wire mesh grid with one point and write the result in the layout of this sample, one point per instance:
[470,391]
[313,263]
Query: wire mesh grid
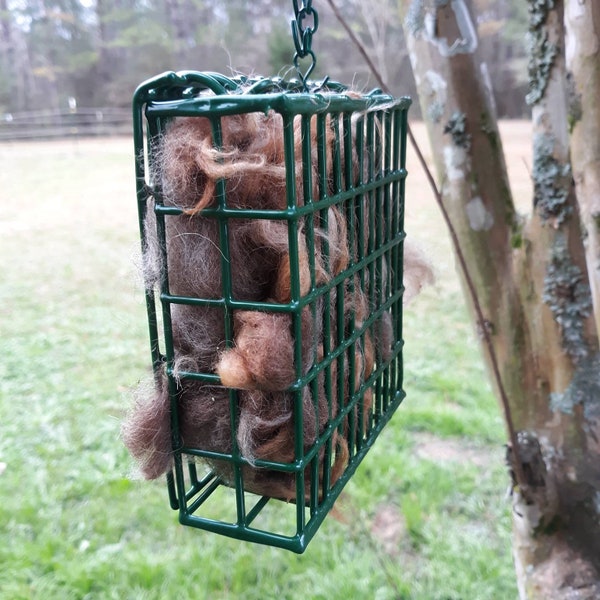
[344,156]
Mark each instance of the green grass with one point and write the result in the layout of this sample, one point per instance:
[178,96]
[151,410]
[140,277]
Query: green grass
[74,341]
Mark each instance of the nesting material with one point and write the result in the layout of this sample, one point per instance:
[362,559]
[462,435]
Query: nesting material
[260,363]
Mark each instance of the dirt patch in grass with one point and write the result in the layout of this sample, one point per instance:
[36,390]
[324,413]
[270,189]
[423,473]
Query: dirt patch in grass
[436,449]
[389,528]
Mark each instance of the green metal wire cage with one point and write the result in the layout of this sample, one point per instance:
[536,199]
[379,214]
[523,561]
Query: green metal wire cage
[362,177]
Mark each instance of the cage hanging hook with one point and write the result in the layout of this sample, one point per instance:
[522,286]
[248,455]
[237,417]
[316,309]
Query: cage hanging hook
[302,36]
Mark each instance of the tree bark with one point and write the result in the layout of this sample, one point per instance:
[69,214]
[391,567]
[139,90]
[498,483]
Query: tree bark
[550,533]
[582,24]
[531,281]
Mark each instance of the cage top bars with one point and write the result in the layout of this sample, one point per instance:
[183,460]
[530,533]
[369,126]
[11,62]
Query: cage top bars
[357,146]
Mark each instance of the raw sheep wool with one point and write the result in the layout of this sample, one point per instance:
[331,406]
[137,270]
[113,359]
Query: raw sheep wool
[260,363]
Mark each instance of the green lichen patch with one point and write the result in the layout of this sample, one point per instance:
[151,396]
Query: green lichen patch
[574,102]
[567,294]
[490,132]
[584,390]
[538,12]
[516,240]
[542,51]
[551,181]
[457,128]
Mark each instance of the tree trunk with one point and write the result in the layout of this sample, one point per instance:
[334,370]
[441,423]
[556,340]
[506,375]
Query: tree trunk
[14,53]
[6,42]
[531,281]
[111,16]
[582,23]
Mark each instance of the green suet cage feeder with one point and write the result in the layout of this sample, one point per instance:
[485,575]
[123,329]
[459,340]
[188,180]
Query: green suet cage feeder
[344,154]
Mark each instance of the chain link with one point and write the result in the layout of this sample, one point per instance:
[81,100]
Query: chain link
[302,35]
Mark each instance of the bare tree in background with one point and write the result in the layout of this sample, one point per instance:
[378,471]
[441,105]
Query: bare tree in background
[99,50]
[532,282]
[378,24]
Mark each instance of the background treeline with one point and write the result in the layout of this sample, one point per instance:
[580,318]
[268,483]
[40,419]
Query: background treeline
[97,51]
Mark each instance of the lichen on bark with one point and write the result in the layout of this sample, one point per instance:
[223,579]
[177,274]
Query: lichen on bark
[486,124]
[538,12]
[584,390]
[574,103]
[542,51]
[551,181]
[435,111]
[516,237]
[457,128]
[415,17]
[567,294]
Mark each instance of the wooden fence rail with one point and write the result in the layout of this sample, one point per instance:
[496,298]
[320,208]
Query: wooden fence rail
[51,124]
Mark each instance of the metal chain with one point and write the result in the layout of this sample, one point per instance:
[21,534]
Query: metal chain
[302,36]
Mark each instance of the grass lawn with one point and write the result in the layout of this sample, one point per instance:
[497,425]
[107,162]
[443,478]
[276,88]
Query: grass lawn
[426,516]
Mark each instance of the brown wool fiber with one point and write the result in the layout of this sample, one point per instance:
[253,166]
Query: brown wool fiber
[260,364]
